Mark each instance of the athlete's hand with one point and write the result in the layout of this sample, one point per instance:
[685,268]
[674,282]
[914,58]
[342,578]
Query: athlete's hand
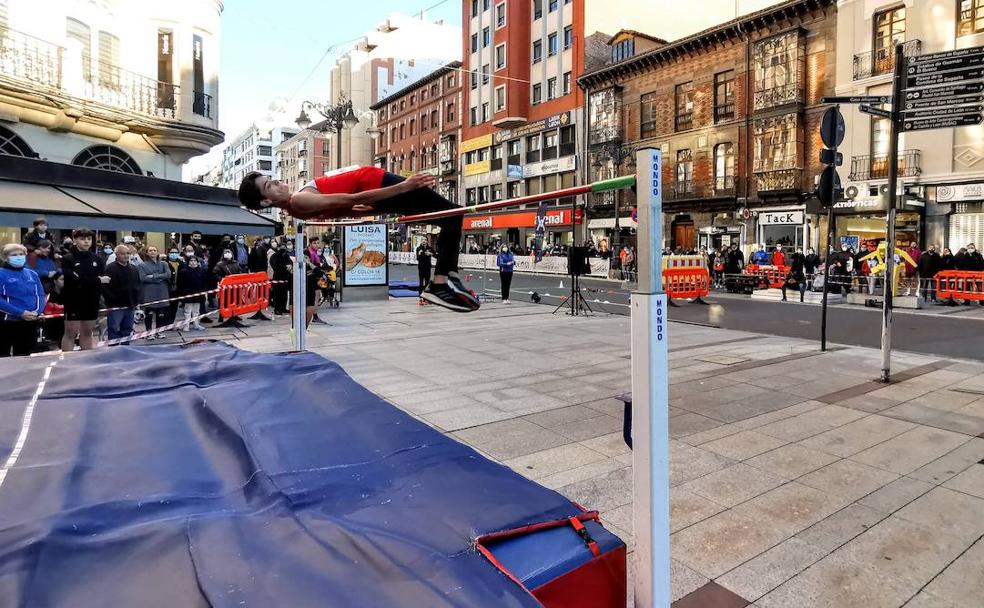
[420,181]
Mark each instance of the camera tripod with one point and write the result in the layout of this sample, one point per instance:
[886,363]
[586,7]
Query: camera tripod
[576,302]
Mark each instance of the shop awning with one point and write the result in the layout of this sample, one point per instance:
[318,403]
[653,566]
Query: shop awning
[67,207]
[609,222]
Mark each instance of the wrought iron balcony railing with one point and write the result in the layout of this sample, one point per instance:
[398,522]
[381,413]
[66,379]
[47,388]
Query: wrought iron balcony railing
[779,95]
[723,112]
[868,167]
[681,190]
[774,181]
[605,134]
[724,185]
[882,61]
[112,85]
[25,57]
[202,104]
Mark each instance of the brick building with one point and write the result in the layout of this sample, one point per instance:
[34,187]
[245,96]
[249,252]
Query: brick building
[420,128]
[735,110]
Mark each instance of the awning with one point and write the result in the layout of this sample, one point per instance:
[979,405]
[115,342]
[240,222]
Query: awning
[609,222]
[65,208]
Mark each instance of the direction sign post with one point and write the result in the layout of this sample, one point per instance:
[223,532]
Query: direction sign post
[875,111]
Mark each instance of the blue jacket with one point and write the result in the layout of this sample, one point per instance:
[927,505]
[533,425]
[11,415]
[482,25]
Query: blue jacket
[505,261]
[761,257]
[20,290]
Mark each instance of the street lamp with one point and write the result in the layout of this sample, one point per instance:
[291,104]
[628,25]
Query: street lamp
[617,154]
[336,117]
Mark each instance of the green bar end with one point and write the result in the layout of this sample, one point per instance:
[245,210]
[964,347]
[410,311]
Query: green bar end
[615,183]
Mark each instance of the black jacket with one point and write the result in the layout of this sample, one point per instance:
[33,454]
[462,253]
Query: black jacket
[123,289]
[974,261]
[810,263]
[82,271]
[257,260]
[280,263]
[947,262]
[191,280]
[796,267]
[424,262]
[734,261]
[225,268]
[929,264]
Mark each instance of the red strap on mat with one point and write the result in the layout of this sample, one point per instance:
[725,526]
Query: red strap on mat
[585,535]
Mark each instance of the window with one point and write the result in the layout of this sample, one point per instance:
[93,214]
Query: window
[474,79]
[326,147]
[500,56]
[514,189]
[537,51]
[684,172]
[423,94]
[108,158]
[109,60]
[880,131]
[497,192]
[568,37]
[537,9]
[470,157]
[513,150]
[486,37]
[265,165]
[474,43]
[78,31]
[392,109]
[485,74]
[567,83]
[403,131]
[450,112]
[485,111]
[451,81]
[776,143]
[724,166]
[552,44]
[647,116]
[623,50]
[434,90]
[533,186]
[537,93]
[552,6]
[413,99]
[433,120]
[500,15]
[413,126]
[724,96]
[264,151]
[533,148]
[471,195]
[483,154]
[474,8]
[393,135]
[500,98]
[567,141]
[473,116]
[551,88]
[485,4]
[11,144]
[423,122]
[779,66]
[970,17]
[889,31]
[550,145]
[403,104]
[684,96]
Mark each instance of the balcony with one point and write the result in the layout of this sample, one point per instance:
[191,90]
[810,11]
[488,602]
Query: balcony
[28,58]
[725,185]
[202,104]
[779,95]
[778,181]
[868,167]
[882,61]
[605,134]
[112,85]
[681,190]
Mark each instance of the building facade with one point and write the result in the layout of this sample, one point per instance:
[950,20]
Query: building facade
[253,150]
[125,86]
[400,51]
[301,158]
[735,111]
[420,127]
[942,170]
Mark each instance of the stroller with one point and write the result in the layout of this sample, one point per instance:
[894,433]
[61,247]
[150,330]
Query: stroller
[328,284]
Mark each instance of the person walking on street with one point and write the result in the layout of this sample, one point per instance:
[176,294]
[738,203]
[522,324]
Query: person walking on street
[425,265]
[121,294]
[22,301]
[506,261]
[155,281]
[796,277]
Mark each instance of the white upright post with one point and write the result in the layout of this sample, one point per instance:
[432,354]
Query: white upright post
[650,394]
[300,274]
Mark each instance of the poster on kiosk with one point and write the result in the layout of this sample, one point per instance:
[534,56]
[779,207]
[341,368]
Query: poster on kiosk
[366,252]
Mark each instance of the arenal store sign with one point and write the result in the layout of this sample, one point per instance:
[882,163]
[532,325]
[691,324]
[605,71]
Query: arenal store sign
[555,218]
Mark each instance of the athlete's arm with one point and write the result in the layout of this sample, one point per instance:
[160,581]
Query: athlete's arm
[310,201]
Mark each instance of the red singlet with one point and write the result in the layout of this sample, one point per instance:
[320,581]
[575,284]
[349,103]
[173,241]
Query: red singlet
[350,182]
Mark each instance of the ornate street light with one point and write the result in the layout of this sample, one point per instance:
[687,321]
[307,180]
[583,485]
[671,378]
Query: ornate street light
[336,117]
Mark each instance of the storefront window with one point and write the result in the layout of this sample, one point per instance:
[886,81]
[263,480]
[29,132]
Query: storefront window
[869,229]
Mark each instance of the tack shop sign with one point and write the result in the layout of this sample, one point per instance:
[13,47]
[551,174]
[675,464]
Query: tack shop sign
[557,218]
[780,218]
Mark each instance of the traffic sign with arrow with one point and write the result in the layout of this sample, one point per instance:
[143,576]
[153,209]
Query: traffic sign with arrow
[942,122]
[875,111]
[858,99]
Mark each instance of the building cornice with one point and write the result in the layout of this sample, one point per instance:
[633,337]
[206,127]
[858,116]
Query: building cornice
[729,32]
[454,65]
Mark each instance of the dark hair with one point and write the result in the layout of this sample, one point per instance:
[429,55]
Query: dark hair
[43,243]
[249,194]
[40,221]
[80,233]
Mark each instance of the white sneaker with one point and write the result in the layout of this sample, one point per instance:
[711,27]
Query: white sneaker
[506,302]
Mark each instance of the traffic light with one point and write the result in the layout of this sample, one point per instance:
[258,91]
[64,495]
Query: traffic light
[832,130]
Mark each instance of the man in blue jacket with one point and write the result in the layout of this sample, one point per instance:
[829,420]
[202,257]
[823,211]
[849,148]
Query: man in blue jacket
[22,301]
[506,262]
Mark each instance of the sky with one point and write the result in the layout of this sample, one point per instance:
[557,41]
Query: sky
[274,55]
[270,54]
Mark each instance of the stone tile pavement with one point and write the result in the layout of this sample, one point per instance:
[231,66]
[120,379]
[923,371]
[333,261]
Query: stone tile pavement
[796,481]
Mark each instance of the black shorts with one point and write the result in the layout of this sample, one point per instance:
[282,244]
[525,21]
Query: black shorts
[82,309]
[310,294]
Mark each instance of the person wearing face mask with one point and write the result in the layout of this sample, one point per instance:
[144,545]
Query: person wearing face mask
[974,262]
[22,301]
[227,266]
[425,265]
[42,261]
[241,251]
[198,245]
[506,262]
[106,252]
[926,268]
[173,261]
[191,279]
[155,279]
[280,264]
[122,292]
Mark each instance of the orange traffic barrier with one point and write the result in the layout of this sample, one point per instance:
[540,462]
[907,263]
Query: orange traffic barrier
[683,283]
[243,293]
[960,284]
[769,276]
